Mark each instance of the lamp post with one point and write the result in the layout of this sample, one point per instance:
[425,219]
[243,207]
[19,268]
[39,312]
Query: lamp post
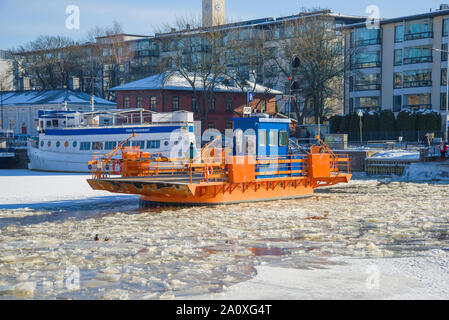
[447,94]
[360,114]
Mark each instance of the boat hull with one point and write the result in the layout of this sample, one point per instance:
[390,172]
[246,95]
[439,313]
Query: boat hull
[174,191]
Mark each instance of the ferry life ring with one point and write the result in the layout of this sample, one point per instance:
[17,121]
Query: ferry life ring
[117,167]
[164,159]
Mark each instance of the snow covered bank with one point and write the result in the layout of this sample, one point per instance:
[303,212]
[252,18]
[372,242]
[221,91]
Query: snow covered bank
[390,279]
[25,188]
[427,171]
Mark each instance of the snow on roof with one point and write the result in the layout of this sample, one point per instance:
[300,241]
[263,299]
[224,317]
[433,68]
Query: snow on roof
[49,97]
[176,81]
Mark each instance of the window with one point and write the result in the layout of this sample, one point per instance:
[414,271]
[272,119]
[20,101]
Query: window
[212,105]
[283,138]
[85,146]
[228,125]
[367,81]
[398,80]
[58,144]
[417,55]
[443,101]
[49,144]
[399,33]
[365,37]
[445,27]
[126,102]
[262,138]
[444,52]
[229,105]
[417,101]
[153,103]
[418,78]
[97,145]
[397,57]
[211,125]
[55,123]
[42,143]
[369,59]
[139,102]
[48,123]
[195,104]
[273,138]
[74,144]
[175,103]
[153,144]
[140,144]
[418,29]
[239,141]
[397,103]
[110,145]
[443,77]
[370,103]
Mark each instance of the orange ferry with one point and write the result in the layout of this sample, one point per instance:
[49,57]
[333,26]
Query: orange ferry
[258,166]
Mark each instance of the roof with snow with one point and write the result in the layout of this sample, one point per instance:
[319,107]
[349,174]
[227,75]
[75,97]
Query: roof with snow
[165,81]
[51,97]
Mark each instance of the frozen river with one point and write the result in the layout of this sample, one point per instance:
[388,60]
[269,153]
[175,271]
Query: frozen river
[48,223]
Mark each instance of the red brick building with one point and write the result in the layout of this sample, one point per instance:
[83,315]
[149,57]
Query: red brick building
[159,94]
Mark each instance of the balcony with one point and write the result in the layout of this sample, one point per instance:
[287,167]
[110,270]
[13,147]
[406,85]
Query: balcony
[419,35]
[366,42]
[363,65]
[417,106]
[418,60]
[415,84]
[367,87]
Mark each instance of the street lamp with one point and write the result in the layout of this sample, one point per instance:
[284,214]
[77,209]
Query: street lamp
[360,114]
[447,94]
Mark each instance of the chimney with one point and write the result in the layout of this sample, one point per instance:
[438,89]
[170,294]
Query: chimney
[24,84]
[74,83]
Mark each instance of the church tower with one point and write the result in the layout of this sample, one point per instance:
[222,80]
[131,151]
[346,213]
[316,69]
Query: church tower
[214,12]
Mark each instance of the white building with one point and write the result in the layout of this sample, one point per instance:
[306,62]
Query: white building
[19,109]
[400,65]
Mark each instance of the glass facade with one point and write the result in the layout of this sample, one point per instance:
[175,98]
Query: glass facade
[369,59]
[417,78]
[418,29]
[365,37]
[417,55]
[417,101]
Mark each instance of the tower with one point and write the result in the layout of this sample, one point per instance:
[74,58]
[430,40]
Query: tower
[214,12]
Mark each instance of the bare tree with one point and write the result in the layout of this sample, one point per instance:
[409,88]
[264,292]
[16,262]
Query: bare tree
[48,60]
[196,54]
[312,43]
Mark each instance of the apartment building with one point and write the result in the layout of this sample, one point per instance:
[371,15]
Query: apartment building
[401,64]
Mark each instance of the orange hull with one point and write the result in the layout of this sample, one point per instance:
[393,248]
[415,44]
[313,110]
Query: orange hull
[163,191]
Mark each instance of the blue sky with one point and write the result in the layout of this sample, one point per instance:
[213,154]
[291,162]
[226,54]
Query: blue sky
[23,20]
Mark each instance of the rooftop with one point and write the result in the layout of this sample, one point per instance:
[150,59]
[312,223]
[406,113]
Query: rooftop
[164,81]
[50,97]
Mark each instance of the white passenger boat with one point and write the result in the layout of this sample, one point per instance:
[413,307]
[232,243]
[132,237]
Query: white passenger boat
[68,140]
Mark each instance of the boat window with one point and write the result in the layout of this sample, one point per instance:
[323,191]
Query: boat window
[239,141]
[273,137]
[283,138]
[153,144]
[48,123]
[58,144]
[97,145]
[66,144]
[75,144]
[49,144]
[127,144]
[55,123]
[262,138]
[110,145]
[140,144]
[42,143]
[166,143]
[250,142]
[84,146]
